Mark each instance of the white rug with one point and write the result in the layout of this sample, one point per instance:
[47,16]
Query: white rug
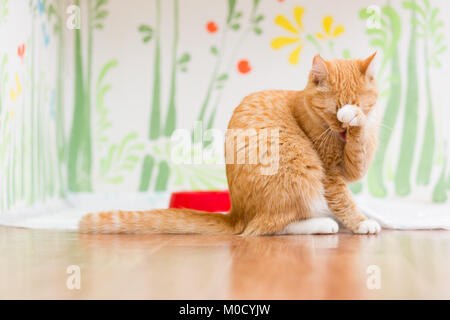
[65,215]
[407,215]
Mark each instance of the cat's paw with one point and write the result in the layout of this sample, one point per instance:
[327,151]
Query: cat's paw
[312,226]
[368,226]
[351,115]
[324,226]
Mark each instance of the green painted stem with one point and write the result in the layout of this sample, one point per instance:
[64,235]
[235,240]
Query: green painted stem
[209,92]
[147,171]
[210,123]
[37,138]
[155,116]
[2,135]
[79,156]
[215,72]
[42,152]
[39,154]
[8,179]
[232,59]
[33,170]
[427,155]
[22,157]
[164,169]
[448,182]
[171,111]
[375,176]
[331,47]
[52,165]
[87,81]
[408,142]
[440,190]
[376,172]
[59,101]
[14,165]
[163,176]
[356,187]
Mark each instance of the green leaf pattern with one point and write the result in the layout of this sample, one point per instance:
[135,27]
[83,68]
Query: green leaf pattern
[412,43]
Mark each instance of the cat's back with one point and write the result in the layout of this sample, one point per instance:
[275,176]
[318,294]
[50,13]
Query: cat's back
[270,162]
[263,109]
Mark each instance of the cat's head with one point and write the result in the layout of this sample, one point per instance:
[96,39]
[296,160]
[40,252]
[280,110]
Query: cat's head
[335,83]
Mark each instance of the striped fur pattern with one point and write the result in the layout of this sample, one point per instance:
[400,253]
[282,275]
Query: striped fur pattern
[327,136]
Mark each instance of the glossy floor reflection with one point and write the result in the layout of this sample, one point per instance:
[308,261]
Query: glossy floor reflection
[412,264]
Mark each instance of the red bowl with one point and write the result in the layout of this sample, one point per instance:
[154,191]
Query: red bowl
[212,201]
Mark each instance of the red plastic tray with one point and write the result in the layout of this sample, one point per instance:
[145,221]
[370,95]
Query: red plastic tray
[212,201]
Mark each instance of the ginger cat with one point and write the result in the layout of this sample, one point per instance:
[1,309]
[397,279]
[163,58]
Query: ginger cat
[326,137]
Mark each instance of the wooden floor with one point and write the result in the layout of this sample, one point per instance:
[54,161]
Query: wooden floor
[412,265]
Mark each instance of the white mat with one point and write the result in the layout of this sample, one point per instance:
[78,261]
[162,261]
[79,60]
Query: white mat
[407,215]
[65,215]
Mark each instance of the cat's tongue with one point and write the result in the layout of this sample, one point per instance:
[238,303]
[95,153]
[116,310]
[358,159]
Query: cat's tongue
[343,135]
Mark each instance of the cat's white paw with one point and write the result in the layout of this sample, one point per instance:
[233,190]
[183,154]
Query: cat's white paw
[356,121]
[349,114]
[312,226]
[368,226]
[324,226]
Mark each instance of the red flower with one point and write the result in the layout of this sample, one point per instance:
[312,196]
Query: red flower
[21,51]
[244,66]
[211,27]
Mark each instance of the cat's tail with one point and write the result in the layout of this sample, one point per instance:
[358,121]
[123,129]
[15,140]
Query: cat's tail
[156,221]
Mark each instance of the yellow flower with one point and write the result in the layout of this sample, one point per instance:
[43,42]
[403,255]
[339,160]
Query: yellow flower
[328,33]
[15,93]
[12,93]
[295,29]
[18,85]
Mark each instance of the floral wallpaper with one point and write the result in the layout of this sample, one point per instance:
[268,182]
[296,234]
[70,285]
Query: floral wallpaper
[92,93]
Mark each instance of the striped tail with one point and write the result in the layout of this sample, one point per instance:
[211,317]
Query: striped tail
[156,221]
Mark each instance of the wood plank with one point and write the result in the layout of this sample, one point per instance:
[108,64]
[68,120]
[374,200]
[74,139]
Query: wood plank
[413,265]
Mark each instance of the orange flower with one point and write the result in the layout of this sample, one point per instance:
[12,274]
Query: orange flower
[211,27]
[244,66]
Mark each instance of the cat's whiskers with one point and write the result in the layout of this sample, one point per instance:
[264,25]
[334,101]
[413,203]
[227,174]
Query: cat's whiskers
[325,132]
[325,139]
[319,147]
[327,144]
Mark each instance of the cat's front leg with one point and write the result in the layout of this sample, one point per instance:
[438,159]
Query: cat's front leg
[361,140]
[340,202]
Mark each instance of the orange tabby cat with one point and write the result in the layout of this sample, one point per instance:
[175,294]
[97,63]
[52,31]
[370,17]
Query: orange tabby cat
[325,137]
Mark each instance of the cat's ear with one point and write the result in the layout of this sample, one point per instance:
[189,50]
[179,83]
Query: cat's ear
[319,70]
[367,66]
